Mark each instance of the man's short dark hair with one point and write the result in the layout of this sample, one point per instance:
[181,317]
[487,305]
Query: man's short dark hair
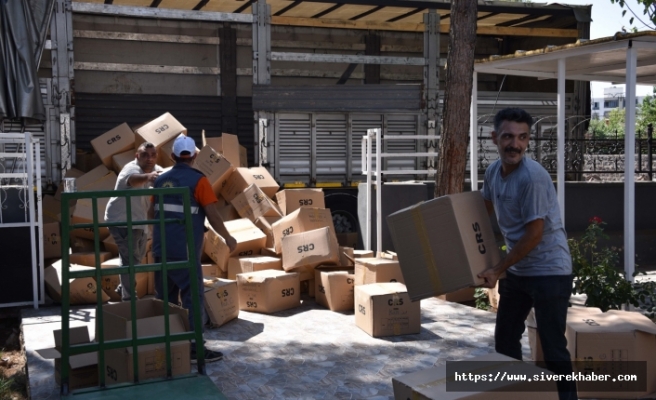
[145,145]
[514,115]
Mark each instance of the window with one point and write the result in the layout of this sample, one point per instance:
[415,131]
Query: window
[595,105]
[611,103]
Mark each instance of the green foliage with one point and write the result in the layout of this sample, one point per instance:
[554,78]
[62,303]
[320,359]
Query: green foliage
[648,17]
[5,387]
[608,127]
[481,299]
[647,112]
[597,276]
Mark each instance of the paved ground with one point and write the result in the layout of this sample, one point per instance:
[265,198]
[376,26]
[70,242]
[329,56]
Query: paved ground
[304,353]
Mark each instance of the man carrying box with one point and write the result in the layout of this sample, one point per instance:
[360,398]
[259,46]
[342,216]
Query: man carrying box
[538,265]
[137,174]
[202,205]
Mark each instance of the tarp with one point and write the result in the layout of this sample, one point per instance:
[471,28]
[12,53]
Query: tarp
[22,34]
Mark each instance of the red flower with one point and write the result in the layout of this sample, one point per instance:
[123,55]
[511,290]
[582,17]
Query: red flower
[595,220]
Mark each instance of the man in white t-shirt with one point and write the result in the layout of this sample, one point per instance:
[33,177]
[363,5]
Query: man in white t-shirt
[139,173]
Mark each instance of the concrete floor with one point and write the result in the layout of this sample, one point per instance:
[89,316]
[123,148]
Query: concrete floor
[304,353]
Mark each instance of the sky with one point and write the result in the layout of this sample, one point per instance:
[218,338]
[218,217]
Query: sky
[606,20]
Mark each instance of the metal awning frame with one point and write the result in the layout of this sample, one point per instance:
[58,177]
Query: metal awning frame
[535,65]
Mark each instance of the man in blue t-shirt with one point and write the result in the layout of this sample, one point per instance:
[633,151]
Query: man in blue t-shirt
[538,265]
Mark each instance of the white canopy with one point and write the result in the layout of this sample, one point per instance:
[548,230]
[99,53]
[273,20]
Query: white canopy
[623,58]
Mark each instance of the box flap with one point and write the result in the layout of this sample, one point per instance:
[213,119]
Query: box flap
[613,321]
[83,360]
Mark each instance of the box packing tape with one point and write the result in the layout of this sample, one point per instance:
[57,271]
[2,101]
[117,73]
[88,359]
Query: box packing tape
[426,249]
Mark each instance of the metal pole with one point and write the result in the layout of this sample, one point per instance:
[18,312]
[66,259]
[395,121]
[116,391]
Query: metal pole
[379,190]
[368,233]
[650,135]
[473,127]
[561,139]
[629,164]
[29,194]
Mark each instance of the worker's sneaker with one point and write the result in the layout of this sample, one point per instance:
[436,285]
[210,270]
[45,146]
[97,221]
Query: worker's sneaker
[209,356]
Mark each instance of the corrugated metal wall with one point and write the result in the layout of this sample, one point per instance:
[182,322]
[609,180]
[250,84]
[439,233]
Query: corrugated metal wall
[97,113]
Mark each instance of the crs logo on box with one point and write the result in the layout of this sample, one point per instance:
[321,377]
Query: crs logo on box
[162,128]
[479,237]
[114,139]
[305,248]
[215,158]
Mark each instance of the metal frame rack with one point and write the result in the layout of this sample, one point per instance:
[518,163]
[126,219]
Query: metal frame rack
[26,157]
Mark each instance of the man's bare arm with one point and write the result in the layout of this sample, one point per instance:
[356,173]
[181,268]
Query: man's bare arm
[135,180]
[216,221]
[531,238]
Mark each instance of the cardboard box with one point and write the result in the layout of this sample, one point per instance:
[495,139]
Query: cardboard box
[302,220]
[215,166]
[226,144]
[111,282]
[88,259]
[114,141]
[334,288]
[120,160]
[266,226]
[83,368]
[222,301]
[110,245]
[438,261]
[390,255]
[85,161]
[431,383]
[211,270]
[82,290]
[91,177]
[268,291]
[363,253]
[346,258]
[375,270]
[83,214]
[241,178]
[252,203]
[159,131]
[81,245]
[531,325]
[240,265]
[51,240]
[108,182]
[459,296]
[228,212]
[150,322]
[243,157]
[349,239]
[385,309]
[51,209]
[291,200]
[249,242]
[621,336]
[309,248]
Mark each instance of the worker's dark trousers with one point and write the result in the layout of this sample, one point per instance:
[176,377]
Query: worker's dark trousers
[179,285]
[549,295]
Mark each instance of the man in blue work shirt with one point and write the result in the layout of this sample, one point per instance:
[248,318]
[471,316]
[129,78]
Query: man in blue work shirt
[538,265]
[202,205]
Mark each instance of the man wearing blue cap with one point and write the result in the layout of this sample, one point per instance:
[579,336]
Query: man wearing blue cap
[202,205]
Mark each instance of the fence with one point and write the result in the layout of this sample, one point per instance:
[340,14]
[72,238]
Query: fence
[587,157]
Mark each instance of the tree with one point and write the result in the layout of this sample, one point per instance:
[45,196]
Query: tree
[647,112]
[457,98]
[649,12]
